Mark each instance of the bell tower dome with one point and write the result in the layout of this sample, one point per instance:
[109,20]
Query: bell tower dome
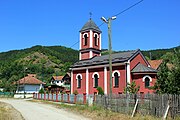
[90,41]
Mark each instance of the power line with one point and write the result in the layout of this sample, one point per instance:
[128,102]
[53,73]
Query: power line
[115,15]
[74,44]
[128,8]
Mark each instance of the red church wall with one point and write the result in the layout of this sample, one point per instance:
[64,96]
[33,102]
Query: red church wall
[100,71]
[122,80]
[82,89]
[136,60]
[84,55]
[94,46]
[139,82]
[82,41]
[96,54]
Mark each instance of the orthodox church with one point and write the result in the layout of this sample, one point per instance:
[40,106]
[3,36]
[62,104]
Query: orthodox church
[92,69]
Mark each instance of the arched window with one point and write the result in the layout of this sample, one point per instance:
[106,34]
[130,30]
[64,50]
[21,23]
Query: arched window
[147,82]
[95,40]
[116,75]
[78,78]
[147,79]
[85,39]
[95,77]
[116,79]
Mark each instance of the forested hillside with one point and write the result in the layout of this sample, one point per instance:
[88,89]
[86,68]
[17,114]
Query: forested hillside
[46,61]
[41,60]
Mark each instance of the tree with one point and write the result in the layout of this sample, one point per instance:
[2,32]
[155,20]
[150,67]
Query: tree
[168,80]
[132,88]
[100,91]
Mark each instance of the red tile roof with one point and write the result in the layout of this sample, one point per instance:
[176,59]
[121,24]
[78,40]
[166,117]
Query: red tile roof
[155,63]
[30,79]
[58,77]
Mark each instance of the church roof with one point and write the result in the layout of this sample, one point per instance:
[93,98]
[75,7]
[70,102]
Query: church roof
[142,68]
[99,60]
[90,25]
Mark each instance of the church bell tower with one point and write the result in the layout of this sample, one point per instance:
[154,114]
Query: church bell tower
[90,41]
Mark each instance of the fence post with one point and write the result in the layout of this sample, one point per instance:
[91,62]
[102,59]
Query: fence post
[44,96]
[61,97]
[68,98]
[33,95]
[52,97]
[84,98]
[75,97]
[56,97]
[48,96]
[38,96]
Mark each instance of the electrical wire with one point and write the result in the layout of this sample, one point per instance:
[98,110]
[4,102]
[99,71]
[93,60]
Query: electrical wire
[115,15]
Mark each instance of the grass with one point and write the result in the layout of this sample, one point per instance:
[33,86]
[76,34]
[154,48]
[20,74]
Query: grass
[7,112]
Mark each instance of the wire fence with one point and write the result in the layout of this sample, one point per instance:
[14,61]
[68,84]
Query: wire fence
[6,94]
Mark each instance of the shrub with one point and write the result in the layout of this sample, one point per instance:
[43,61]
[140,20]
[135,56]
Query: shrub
[41,91]
[100,91]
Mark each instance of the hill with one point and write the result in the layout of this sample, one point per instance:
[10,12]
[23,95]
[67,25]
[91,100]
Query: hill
[46,61]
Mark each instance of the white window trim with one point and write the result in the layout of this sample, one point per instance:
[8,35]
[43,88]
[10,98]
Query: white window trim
[95,73]
[83,37]
[97,37]
[145,78]
[113,76]
[77,78]
[85,34]
[115,72]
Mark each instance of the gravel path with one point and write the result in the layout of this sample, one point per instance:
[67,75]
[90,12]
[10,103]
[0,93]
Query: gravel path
[37,111]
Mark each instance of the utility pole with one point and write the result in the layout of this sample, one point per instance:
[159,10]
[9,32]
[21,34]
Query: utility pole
[110,56]
[108,22]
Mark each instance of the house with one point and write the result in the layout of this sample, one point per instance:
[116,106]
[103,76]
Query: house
[61,80]
[57,80]
[29,84]
[155,64]
[59,84]
[92,69]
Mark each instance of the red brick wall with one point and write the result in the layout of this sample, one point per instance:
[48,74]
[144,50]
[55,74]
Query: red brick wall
[122,80]
[83,81]
[100,80]
[94,46]
[139,81]
[84,55]
[82,41]
[137,59]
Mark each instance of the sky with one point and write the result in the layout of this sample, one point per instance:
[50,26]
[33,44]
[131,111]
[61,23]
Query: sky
[152,24]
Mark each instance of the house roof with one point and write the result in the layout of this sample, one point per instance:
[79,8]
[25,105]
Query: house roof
[98,60]
[30,79]
[140,68]
[155,63]
[90,25]
[57,77]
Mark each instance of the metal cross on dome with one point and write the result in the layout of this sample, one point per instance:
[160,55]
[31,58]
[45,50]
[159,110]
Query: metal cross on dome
[90,14]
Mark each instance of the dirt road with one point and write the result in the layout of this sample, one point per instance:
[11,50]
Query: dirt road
[38,111]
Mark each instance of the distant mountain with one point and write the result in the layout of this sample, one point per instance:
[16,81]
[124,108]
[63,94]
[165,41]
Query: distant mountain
[149,54]
[46,61]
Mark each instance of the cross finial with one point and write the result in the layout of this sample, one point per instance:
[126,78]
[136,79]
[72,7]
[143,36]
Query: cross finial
[90,14]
